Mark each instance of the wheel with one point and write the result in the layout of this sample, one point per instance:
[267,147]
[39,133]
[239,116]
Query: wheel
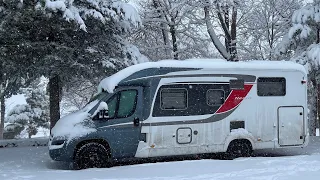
[91,155]
[241,148]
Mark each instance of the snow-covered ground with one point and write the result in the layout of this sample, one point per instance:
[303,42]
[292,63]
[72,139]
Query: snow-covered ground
[294,164]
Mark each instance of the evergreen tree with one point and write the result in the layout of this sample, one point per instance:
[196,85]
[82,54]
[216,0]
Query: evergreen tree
[303,43]
[66,40]
[35,113]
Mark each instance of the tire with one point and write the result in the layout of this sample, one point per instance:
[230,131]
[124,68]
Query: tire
[241,148]
[91,155]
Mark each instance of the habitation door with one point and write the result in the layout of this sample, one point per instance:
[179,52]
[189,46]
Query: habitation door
[291,126]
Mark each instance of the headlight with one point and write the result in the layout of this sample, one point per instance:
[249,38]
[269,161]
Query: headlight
[59,140]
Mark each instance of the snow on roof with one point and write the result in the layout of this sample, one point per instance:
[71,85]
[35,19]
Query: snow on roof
[111,82]
[207,60]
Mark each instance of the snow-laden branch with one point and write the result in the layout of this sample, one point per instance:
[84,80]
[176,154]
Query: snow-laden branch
[313,53]
[217,43]
[302,18]
[124,14]
[303,29]
[304,21]
[309,12]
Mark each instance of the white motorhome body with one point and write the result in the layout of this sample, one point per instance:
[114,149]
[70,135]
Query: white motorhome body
[187,107]
[264,103]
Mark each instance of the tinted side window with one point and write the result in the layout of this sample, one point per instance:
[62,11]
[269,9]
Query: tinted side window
[127,103]
[174,99]
[112,106]
[215,97]
[191,98]
[271,86]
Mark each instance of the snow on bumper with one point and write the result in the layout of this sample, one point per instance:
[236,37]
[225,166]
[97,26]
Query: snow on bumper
[56,142]
[57,149]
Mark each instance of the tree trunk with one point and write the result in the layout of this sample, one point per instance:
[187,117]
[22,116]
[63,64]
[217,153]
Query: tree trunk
[174,40]
[233,43]
[164,29]
[317,124]
[165,36]
[318,35]
[226,20]
[312,102]
[317,99]
[55,92]
[3,109]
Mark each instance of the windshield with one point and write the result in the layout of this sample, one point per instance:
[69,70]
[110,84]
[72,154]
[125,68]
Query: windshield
[98,96]
[94,101]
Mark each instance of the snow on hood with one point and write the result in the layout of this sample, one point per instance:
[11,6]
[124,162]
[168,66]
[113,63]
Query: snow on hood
[111,82]
[75,124]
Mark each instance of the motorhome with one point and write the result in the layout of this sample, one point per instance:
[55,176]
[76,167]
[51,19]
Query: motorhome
[170,108]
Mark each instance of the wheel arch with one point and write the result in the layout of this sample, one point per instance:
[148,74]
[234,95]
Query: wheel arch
[233,137]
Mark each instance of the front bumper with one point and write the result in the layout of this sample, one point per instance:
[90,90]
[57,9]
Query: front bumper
[59,152]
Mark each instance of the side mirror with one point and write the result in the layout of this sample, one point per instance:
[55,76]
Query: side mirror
[103,114]
[101,111]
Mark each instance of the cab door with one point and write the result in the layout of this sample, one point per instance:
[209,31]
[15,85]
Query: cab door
[122,129]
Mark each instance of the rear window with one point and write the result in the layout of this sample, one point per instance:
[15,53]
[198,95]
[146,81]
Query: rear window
[274,86]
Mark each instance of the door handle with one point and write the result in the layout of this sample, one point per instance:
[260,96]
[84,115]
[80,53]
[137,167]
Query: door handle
[136,121]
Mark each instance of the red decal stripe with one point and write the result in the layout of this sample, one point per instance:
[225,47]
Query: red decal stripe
[234,99]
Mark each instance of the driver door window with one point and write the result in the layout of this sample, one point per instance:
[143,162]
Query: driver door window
[122,104]
[127,103]
[112,105]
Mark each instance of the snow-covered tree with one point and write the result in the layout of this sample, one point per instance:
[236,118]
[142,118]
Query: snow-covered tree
[172,30]
[227,13]
[35,113]
[67,39]
[13,76]
[14,72]
[303,41]
[304,33]
[262,27]
[24,116]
